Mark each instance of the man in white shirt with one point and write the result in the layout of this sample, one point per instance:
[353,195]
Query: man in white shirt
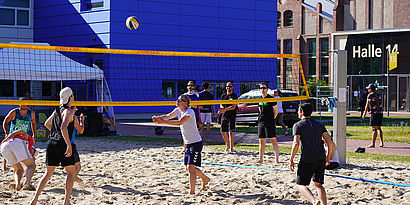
[192,140]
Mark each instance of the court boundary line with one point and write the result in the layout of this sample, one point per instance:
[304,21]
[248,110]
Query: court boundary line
[250,167]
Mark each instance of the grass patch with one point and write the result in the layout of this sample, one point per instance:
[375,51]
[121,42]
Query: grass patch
[349,155]
[390,133]
[377,157]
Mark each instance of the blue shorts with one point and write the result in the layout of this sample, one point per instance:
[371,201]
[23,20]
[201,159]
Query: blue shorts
[193,154]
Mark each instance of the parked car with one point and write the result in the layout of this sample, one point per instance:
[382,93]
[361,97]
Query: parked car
[247,113]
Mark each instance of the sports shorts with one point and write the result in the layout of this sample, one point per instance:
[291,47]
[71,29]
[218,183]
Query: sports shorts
[266,130]
[308,170]
[228,124]
[206,117]
[193,154]
[55,154]
[376,119]
[15,150]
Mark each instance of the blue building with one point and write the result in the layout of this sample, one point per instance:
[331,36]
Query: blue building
[234,26]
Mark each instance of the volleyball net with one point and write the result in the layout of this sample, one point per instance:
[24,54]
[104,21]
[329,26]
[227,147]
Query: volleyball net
[116,77]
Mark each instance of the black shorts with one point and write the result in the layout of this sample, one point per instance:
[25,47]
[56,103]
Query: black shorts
[193,154]
[55,154]
[228,124]
[266,130]
[307,170]
[376,119]
[75,154]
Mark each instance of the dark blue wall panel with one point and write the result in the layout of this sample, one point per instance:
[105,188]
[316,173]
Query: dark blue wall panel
[239,26]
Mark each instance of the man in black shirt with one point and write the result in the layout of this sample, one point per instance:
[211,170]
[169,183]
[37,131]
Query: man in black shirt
[228,117]
[206,110]
[313,159]
[266,123]
[375,104]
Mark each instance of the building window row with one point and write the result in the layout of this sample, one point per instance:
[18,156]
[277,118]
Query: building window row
[324,58]
[288,19]
[87,5]
[15,12]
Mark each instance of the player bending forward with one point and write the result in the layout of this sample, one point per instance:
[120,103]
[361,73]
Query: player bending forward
[192,140]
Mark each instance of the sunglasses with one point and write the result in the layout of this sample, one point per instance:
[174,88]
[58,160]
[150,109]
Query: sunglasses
[181,100]
[229,86]
[262,88]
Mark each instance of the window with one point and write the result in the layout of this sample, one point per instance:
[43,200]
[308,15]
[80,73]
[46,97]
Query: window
[287,46]
[22,87]
[245,87]
[288,18]
[91,4]
[6,88]
[312,56]
[46,88]
[220,89]
[15,3]
[168,89]
[324,59]
[15,12]
[7,17]
[22,17]
[279,19]
[181,87]
[288,74]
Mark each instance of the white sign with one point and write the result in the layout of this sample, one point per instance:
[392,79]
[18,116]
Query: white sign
[342,95]
[356,93]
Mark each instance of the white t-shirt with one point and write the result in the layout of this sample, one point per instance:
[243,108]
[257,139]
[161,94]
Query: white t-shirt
[189,130]
[279,104]
[335,157]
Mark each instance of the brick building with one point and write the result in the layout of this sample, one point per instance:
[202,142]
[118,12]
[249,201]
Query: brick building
[304,27]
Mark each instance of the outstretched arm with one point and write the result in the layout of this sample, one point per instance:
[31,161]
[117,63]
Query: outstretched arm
[174,122]
[164,117]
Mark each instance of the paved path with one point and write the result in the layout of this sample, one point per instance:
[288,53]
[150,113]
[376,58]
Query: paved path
[147,129]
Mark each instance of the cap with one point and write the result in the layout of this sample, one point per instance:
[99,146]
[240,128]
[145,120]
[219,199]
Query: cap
[371,86]
[65,95]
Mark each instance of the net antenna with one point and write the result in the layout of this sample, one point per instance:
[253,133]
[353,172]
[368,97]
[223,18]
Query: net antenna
[40,63]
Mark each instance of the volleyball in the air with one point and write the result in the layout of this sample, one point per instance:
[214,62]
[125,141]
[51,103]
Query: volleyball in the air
[132,23]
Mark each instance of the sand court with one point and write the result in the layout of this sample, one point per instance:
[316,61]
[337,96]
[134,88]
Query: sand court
[128,172]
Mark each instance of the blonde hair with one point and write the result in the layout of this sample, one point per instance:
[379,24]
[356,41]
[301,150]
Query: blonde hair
[186,98]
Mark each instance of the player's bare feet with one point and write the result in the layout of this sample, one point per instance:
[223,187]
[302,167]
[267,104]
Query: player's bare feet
[371,146]
[259,161]
[18,188]
[29,187]
[205,182]
[12,186]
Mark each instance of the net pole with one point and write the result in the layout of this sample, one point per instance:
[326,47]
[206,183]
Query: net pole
[339,118]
